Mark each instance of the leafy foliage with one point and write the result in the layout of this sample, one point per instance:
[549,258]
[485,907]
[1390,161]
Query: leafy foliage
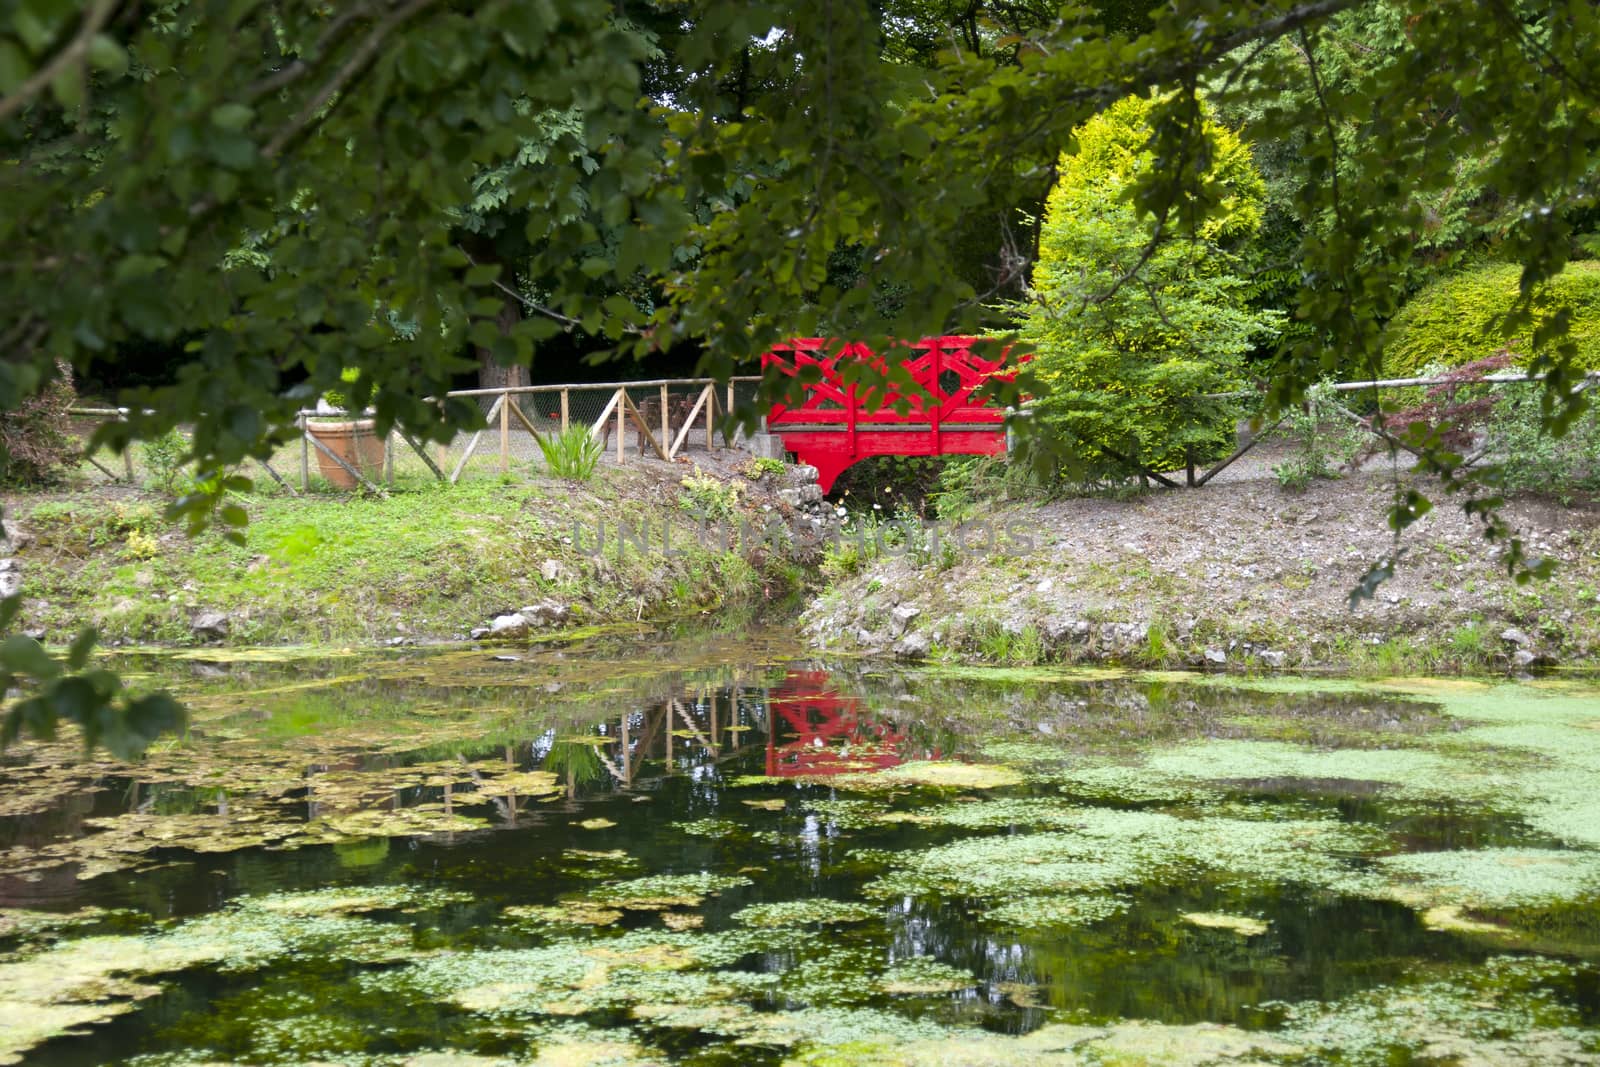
[1325,440]
[66,691]
[164,457]
[1129,336]
[1364,44]
[573,453]
[273,192]
[1465,317]
[709,496]
[1534,462]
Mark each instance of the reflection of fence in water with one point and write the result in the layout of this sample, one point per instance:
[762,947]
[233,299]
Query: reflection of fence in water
[801,726]
[681,734]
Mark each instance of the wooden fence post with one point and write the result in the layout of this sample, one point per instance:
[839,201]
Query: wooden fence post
[505,431]
[711,409]
[127,453]
[564,406]
[666,424]
[305,456]
[621,405]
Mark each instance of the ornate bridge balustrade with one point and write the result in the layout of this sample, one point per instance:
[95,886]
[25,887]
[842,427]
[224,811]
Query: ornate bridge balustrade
[840,421]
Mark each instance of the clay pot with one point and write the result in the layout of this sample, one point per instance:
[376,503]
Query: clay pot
[355,442]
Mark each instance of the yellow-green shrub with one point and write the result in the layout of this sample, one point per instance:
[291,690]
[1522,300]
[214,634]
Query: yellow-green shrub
[1457,319]
[1123,363]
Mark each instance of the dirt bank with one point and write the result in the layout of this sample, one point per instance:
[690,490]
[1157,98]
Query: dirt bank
[1241,573]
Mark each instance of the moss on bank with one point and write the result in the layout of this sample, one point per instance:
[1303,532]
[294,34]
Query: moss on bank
[427,562]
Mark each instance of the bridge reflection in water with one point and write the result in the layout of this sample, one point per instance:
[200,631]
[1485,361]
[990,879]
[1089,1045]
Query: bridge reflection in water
[804,726]
[816,731]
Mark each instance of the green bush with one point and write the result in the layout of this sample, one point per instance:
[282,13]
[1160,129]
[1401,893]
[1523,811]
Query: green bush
[1457,319]
[573,453]
[1533,461]
[710,497]
[968,485]
[164,458]
[1123,362]
[1326,441]
[338,398]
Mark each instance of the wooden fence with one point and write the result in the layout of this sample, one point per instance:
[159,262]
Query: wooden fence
[700,402]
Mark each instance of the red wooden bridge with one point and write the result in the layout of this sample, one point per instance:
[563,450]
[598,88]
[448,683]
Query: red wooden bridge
[840,422]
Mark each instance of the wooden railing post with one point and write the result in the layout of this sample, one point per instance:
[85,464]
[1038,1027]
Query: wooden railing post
[506,401]
[622,397]
[711,403]
[127,453]
[565,404]
[666,423]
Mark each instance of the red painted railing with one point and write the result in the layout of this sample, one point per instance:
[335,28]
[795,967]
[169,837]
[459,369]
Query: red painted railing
[840,422]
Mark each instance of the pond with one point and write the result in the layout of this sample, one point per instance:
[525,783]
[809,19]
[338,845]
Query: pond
[706,851]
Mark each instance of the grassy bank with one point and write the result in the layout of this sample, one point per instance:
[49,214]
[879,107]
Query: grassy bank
[423,563]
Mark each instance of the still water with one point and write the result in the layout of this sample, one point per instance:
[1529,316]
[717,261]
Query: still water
[705,851]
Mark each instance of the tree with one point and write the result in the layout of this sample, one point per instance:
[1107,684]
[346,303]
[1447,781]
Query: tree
[1130,346]
[142,145]
[1361,45]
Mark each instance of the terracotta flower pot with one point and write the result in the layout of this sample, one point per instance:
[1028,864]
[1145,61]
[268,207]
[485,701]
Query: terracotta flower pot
[355,442]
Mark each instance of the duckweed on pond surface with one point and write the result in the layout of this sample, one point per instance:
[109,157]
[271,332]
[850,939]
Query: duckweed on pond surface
[708,855]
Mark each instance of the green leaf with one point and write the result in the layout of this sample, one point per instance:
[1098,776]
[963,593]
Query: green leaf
[9,607]
[232,117]
[82,646]
[67,87]
[14,65]
[105,54]
[23,655]
[1367,587]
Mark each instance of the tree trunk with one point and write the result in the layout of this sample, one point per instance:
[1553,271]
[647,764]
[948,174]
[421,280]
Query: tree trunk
[494,375]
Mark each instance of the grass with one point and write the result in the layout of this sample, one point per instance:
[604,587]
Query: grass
[427,560]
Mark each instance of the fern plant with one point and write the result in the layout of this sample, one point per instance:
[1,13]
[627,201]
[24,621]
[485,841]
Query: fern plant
[573,453]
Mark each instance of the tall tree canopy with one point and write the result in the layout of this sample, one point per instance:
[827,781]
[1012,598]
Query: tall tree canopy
[144,148]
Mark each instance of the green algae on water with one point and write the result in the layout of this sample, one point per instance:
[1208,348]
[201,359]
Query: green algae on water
[920,975]
[812,910]
[1243,925]
[659,892]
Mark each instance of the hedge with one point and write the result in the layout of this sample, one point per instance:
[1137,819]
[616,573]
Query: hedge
[1455,320]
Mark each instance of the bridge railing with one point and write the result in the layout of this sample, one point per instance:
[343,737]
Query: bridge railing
[945,371]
